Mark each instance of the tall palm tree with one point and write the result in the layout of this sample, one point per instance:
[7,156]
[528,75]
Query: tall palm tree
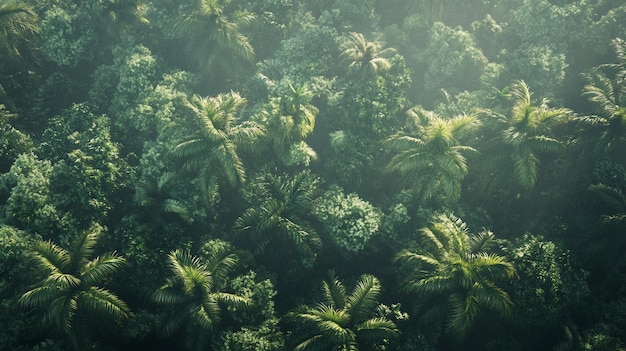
[366,56]
[70,295]
[18,24]
[214,31]
[429,153]
[211,150]
[280,221]
[526,132]
[191,294]
[342,321]
[454,275]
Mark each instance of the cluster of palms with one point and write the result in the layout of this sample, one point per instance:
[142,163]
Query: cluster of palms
[452,274]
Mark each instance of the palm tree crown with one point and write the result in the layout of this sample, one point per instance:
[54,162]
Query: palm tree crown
[191,293]
[527,131]
[606,89]
[430,156]
[214,30]
[342,321]
[281,217]
[455,275]
[17,24]
[211,151]
[363,55]
[70,289]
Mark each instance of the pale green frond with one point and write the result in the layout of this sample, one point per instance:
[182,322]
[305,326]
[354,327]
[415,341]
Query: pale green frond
[482,241]
[376,330]
[334,291]
[83,246]
[542,143]
[492,297]
[221,261]
[167,295]
[317,342]
[601,92]
[100,268]
[233,300]
[51,257]
[464,310]
[40,296]
[492,267]
[526,167]
[206,315]
[364,298]
[412,258]
[103,302]
[62,281]
[61,311]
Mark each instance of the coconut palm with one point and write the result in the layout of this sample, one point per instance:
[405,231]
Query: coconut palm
[18,24]
[279,220]
[429,154]
[366,56]
[70,295]
[211,150]
[342,321]
[455,276]
[192,295]
[526,132]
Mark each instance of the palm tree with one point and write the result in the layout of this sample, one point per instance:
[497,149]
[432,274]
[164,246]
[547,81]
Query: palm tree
[455,276]
[280,221]
[607,242]
[18,24]
[124,14]
[526,132]
[609,97]
[211,149]
[213,32]
[342,321]
[366,56]
[191,294]
[429,154]
[157,198]
[70,295]
[290,118]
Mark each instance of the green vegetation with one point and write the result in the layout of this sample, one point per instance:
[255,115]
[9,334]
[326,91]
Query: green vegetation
[184,174]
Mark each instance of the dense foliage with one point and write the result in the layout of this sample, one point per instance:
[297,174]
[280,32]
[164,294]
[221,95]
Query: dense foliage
[187,174]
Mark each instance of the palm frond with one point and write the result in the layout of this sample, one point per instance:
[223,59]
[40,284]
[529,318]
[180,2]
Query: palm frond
[376,329]
[98,269]
[364,298]
[492,297]
[51,257]
[481,242]
[334,291]
[464,310]
[526,167]
[103,302]
[39,297]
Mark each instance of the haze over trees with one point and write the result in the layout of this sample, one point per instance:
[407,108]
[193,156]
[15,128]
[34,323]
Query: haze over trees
[312,175]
